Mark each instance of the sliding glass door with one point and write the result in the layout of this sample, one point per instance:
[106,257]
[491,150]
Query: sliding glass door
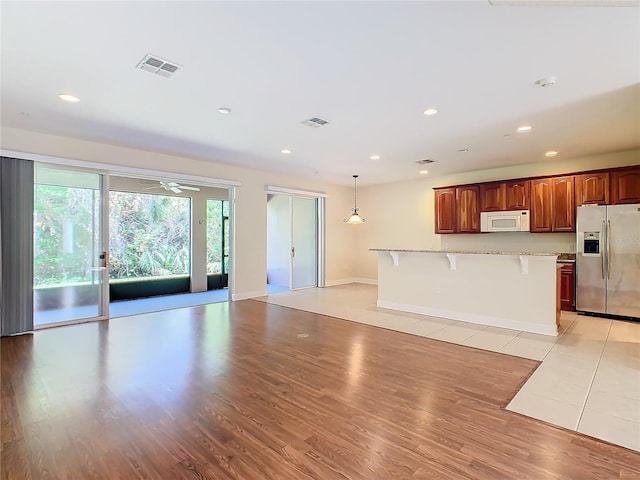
[293,242]
[304,243]
[69,233]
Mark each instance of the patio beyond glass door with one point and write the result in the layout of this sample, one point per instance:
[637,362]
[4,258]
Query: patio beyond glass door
[70,263]
[304,220]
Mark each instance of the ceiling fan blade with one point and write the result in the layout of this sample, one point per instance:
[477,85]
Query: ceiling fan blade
[175,189]
[195,189]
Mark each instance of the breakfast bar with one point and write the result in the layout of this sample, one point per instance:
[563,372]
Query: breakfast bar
[508,290]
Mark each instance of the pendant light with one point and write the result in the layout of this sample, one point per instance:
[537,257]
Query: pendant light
[355,218]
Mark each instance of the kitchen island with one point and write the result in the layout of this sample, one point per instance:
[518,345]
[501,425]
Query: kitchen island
[508,290]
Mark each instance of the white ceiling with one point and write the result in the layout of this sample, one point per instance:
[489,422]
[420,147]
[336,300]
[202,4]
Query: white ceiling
[370,68]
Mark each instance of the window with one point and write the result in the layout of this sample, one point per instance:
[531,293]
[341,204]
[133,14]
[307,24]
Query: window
[149,235]
[217,237]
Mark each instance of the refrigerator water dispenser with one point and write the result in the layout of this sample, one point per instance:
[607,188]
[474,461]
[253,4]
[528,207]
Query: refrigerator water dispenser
[591,244]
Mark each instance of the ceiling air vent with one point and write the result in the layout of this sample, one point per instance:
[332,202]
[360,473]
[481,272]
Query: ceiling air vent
[158,66]
[315,122]
[425,161]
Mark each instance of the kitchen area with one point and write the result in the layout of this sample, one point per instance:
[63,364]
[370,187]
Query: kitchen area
[597,214]
[579,233]
[600,275]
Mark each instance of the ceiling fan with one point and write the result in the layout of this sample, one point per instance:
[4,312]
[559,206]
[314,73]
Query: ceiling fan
[175,187]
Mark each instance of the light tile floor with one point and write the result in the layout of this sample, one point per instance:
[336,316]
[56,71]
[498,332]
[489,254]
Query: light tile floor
[588,381]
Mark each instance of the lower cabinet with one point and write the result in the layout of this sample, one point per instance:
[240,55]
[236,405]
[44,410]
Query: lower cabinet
[568,287]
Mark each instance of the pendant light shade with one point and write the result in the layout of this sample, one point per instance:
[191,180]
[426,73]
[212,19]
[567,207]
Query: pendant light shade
[355,217]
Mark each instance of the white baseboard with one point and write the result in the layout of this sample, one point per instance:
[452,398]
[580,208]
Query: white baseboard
[367,281]
[245,296]
[344,281]
[471,318]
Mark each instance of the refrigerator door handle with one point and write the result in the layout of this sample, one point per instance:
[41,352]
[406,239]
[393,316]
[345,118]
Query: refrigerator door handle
[602,252]
[608,250]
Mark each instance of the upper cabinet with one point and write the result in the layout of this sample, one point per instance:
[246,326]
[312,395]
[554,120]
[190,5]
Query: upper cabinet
[445,212]
[468,209]
[592,188]
[552,205]
[457,209]
[625,186]
[498,196]
[518,195]
[551,201]
[492,197]
[563,206]
[540,206]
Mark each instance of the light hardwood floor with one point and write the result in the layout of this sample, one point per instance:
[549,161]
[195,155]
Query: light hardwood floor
[251,391]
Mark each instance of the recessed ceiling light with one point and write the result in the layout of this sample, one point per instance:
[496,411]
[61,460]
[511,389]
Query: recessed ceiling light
[551,153]
[424,172]
[524,129]
[68,98]
[375,157]
[285,151]
[463,150]
[431,111]
[224,110]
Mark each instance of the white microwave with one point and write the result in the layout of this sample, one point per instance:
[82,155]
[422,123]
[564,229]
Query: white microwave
[511,221]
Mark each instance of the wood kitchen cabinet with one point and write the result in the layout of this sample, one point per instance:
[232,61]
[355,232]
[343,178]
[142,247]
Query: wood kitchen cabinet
[563,206]
[493,197]
[468,209]
[567,287]
[518,195]
[445,210]
[499,196]
[552,201]
[553,205]
[592,188]
[541,206]
[625,186]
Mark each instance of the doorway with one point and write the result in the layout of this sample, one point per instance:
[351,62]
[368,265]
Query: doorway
[169,244]
[101,237]
[294,225]
[70,243]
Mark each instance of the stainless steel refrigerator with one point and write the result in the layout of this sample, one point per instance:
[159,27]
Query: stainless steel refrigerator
[608,260]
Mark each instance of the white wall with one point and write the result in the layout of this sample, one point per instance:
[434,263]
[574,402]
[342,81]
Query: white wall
[401,215]
[250,204]
[278,240]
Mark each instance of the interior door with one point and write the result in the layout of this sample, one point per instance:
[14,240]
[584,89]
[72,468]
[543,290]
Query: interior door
[304,242]
[70,233]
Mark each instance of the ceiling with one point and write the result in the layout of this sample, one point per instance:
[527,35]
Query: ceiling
[370,68]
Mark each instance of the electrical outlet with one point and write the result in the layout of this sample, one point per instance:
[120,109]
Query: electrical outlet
[572,247]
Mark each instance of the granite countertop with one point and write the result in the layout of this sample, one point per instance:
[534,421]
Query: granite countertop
[463,252]
[566,257]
